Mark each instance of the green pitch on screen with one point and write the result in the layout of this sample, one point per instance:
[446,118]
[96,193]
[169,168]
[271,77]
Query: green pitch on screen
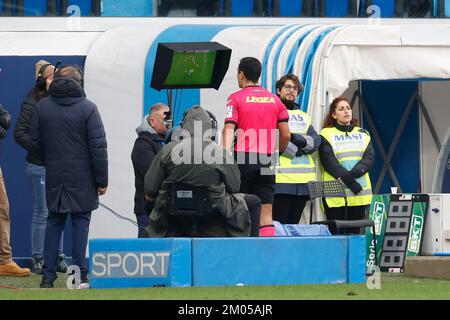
[191,68]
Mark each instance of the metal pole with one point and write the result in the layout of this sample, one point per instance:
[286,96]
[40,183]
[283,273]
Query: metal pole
[395,141]
[378,142]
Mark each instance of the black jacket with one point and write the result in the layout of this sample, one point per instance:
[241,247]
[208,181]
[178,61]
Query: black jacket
[68,131]
[146,146]
[5,121]
[332,165]
[22,129]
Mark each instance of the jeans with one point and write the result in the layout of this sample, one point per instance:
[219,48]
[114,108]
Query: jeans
[142,221]
[80,230]
[36,180]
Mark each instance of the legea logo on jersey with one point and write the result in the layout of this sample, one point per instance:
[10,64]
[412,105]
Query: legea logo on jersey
[260,100]
[345,141]
[130,264]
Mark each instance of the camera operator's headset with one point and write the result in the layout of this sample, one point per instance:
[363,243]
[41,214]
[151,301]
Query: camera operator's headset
[211,116]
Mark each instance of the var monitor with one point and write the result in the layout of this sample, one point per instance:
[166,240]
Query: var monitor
[184,65]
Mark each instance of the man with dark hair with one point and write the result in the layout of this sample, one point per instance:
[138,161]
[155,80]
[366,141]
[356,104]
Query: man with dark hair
[256,114]
[68,130]
[297,166]
[151,135]
[7,266]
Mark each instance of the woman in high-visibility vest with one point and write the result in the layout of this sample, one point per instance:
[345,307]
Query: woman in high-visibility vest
[346,154]
[296,166]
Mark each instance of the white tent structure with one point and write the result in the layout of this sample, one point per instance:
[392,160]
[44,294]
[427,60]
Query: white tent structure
[331,56]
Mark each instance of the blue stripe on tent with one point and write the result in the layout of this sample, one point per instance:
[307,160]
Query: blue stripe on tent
[291,57]
[277,55]
[267,54]
[186,97]
[306,77]
[241,8]
[447,8]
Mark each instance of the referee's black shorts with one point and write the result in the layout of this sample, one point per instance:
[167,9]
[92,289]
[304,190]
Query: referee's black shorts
[256,178]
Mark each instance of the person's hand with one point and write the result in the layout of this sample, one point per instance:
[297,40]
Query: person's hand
[298,140]
[5,121]
[101,191]
[348,177]
[355,187]
[299,153]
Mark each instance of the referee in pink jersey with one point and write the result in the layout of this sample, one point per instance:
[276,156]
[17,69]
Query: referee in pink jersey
[254,115]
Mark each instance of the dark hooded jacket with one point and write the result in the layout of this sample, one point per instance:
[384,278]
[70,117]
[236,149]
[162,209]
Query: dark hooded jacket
[22,128]
[68,132]
[146,146]
[176,163]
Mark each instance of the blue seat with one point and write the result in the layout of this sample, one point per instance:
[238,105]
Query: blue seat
[387,7]
[34,8]
[85,6]
[334,8]
[241,8]
[289,8]
[139,8]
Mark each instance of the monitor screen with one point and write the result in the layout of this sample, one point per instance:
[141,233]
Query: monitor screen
[191,68]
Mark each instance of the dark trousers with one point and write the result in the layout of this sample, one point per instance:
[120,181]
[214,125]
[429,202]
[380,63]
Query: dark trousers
[142,221]
[288,208]
[55,227]
[353,213]
[254,206]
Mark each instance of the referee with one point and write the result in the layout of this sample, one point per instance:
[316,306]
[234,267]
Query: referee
[256,114]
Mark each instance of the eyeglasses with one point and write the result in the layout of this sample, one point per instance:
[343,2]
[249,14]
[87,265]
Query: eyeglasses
[290,88]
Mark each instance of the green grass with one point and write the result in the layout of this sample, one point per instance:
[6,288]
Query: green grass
[393,286]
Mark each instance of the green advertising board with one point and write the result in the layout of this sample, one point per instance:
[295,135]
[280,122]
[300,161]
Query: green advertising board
[395,209]
[378,213]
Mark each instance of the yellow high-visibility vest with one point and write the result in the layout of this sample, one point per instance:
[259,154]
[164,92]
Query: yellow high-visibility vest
[299,169]
[349,148]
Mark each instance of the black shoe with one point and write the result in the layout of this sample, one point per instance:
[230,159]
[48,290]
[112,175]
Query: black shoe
[37,263]
[62,264]
[46,284]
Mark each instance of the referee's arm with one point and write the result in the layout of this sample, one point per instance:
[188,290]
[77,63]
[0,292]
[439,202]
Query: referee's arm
[285,135]
[228,135]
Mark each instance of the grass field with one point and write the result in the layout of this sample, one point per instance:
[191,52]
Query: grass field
[393,286]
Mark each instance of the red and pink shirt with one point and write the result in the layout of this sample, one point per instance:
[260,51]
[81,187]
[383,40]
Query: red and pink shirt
[256,113]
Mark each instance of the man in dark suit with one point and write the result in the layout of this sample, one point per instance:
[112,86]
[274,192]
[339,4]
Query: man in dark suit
[68,131]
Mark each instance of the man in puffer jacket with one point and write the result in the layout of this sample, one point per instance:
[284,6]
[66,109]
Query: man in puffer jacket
[68,131]
[151,135]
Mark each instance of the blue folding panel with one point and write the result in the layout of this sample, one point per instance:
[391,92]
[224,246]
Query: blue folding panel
[34,7]
[270,261]
[290,8]
[241,8]
[127,8]
[356,272]
[447,8]
[387,7]
[336,8]
[84,5]
[128,263]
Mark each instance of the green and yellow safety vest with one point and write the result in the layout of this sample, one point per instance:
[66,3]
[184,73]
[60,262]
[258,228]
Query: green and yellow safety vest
[349,149]
[299,169]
